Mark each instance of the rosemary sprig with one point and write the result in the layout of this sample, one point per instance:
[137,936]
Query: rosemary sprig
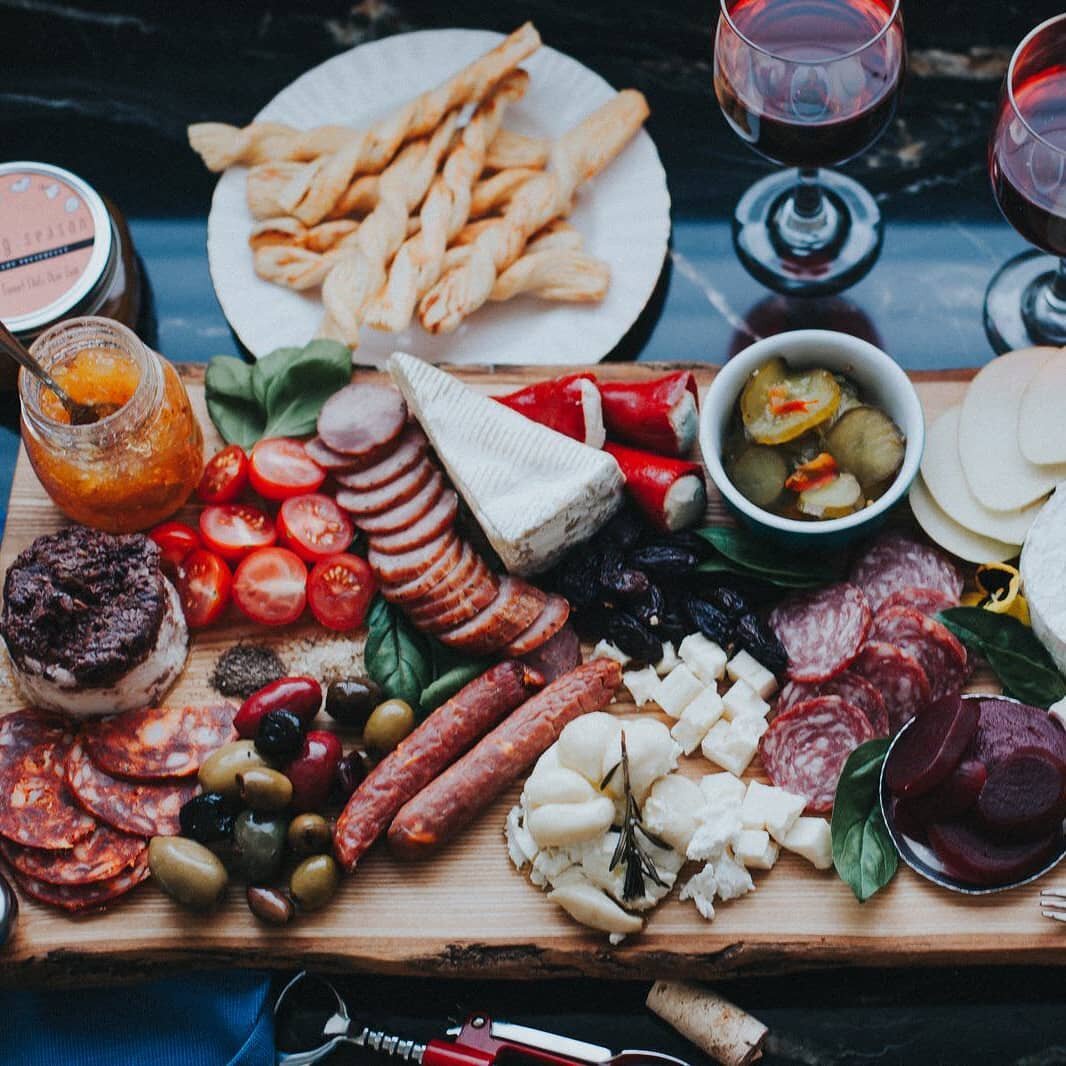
[629,850]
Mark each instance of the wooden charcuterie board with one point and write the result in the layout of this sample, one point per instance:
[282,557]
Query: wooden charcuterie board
[468,913]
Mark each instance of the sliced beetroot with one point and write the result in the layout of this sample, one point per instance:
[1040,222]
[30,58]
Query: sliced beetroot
[954,796]
[932,746]
[1024,797]
[362,421]
[1005,727]
[971,856]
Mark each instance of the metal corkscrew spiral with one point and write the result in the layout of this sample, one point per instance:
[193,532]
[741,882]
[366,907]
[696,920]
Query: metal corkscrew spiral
[391,1045]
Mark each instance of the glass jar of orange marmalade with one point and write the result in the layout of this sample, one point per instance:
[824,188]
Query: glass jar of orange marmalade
[132,468]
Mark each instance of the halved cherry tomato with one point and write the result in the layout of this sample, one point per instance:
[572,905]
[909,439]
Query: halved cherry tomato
[235,529]
[204,585]
[314,527]
[270,586]
[224,476]
[175,540]
[339,591]
[281,468]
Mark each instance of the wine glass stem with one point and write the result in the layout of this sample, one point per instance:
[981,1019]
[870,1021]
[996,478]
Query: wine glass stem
[1056,292]
[809,201]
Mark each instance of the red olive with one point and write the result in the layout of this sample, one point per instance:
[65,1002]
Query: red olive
[300,695]
[313,770]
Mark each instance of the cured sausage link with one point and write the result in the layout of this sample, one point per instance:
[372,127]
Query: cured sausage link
[441,738]
[444,807]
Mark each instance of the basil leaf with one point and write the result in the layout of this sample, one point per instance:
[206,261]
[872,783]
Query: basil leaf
[230,401]
[756,558]
[228,376]
[1016,656]
[296,394]
[266,369]
[397,656]
[863,853]
[719,564]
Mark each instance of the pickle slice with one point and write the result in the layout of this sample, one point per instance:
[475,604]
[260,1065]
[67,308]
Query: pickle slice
[867,443]
[835,499]
[778,406]
[759,474]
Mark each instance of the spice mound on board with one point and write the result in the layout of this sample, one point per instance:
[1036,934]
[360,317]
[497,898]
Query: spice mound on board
[246,668]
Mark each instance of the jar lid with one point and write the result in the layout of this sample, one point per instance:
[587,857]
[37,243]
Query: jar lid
[55,243]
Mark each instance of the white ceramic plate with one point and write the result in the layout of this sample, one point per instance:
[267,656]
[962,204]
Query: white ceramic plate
[624,214]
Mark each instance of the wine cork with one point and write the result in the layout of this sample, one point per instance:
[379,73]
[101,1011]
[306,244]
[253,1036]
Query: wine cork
[718,1027]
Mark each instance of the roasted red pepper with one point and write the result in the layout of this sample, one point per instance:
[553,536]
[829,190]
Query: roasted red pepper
[669,491]
[661,414]
[809,475]
[569,405]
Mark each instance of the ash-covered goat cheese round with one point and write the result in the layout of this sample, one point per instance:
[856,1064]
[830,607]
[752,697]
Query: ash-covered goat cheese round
[91,624]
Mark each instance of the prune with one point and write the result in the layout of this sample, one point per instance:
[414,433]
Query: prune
[623,529]
[578,577]
[649,608]
[611,566]
[631,585]
[634,638]
[662,560]
[760,642]
[687,540]
[729,600]
[673,625]
[591,621]
[711,621]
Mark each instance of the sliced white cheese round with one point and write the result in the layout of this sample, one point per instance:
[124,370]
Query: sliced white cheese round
[950,535]
[1043,568]
[998,473]
[943,476]
[1041,430]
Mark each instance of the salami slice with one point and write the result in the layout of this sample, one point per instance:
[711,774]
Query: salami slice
[552,618]
[805,748]
[103,854]
[36,808]
[144,809]
[409,450]
[22,730]
[387,497]
[895,561]
[928,601]
[159,742]
[822,631]
[848,686]
[396,518]
[440,517]
[898,677]
[360,420]
[934,647]
[93,896]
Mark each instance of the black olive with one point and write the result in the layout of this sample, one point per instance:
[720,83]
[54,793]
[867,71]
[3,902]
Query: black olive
[623,529]
[578,577]
[634,638]
[350,773]
[351,699]
[207,818]
[729,600]
[280,736]
[712,622]
[760,642]
[662,560]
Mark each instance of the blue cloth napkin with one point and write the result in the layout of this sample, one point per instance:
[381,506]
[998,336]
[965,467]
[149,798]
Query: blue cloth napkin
[197,1019]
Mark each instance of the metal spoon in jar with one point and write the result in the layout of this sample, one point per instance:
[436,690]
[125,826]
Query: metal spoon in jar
[81,414]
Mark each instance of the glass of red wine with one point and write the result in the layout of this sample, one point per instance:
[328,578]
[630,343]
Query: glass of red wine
[808,84]
[1026,300]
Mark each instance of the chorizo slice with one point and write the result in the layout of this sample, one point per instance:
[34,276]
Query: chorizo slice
[397,518]
[421,756]
[92,896]
[389,496]
[440,517]
[104,853]
[25,729]
[454,798]
[360,420]
[409,450]
[513,610]
[428,579]
[399,569]
[552,618]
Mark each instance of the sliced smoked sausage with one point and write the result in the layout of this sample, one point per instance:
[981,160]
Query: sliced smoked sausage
[361,420]
[514,609]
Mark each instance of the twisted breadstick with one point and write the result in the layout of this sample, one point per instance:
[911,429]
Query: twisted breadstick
[579,154]
[419,260]
[221,146]
[511,149]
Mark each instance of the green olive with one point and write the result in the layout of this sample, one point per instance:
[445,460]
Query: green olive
[314,882]
[258,845]
[388,724]
[309,834]
[270,905]
[219,770]
[187,871]
[264,789]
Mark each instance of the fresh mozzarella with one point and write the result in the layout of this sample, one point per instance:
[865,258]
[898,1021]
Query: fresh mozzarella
[741,701]
[958,540]
[558,825]
[677,690]
[556,785]
[1042,567]
[771,808]
[643,685]
[696,720]
[813,839]
[650,752]
[594,860]
[755,849]
[534,492]
[521,847]
[1040,434]
[745,667]
[703,657]
[583,741]
[671,808]
[723,790]
[591,906]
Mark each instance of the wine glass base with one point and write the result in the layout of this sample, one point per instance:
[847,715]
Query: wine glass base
[1008,297]
[820,267]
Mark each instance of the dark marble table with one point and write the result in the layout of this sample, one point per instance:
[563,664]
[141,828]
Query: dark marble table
[107,89]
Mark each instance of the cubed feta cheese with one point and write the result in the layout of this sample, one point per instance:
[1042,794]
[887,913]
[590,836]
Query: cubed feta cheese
[696,719]
[1058,710]
[714,834]
[722,790]
[677,690]
[745,667]
[700,888]
[643,685]
[732,745]
[811,838]
[606,650]
[521,846]
[732,877]
[671,808]
[703,657]
[668,661]
[770,808]
[741,700]
[754,848]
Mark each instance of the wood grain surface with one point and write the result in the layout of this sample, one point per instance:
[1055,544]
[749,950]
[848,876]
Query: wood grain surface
[468,913]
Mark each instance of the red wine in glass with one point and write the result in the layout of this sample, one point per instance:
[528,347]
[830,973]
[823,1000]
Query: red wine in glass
[1026,301]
